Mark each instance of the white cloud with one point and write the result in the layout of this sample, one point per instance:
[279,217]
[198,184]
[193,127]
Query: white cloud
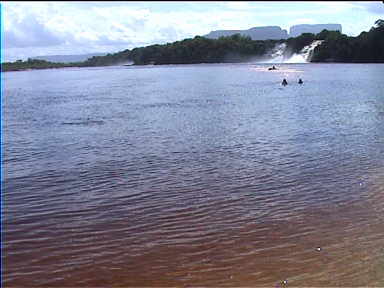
[29,31]
[376,7]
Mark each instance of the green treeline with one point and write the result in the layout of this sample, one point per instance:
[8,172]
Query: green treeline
[368,47]
[336,47]
[109,59]
[234,48]
[32,64]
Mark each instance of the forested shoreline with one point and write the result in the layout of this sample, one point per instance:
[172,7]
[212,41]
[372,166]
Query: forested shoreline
[368,47]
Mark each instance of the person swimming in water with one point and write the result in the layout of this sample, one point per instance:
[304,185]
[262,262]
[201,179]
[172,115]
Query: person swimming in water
[300,81]
[284,82]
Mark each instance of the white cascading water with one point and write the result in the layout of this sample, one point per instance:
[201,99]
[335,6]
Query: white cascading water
[304,56]
[277,54]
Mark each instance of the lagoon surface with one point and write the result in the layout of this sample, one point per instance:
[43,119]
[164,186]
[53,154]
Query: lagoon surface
[194,175]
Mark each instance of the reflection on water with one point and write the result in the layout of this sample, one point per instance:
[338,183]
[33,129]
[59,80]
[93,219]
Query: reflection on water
[204,175]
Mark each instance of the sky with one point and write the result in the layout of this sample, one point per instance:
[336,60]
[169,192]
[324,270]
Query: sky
[68,28]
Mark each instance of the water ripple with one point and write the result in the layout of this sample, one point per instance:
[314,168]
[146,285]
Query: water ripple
[211,176]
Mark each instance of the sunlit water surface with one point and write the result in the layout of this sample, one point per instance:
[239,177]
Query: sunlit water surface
[199,175]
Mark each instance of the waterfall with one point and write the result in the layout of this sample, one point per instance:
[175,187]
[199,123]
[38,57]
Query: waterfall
[304,56]
[277,54]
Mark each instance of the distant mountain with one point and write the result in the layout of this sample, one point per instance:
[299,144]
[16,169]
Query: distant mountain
[256,33]
[68,58]
[275,32]
[297,30]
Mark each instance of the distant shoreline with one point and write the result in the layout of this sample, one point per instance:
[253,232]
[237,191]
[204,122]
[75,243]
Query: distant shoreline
[180,64]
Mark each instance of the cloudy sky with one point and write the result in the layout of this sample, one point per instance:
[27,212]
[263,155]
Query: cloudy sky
[62,28]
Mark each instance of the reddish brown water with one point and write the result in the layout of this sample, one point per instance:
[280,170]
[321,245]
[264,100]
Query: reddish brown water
[137,181]
[335,246]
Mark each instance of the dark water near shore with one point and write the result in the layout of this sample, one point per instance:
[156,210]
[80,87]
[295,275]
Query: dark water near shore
[197,175]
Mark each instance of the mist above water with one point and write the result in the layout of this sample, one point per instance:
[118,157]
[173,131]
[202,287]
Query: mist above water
[125,63]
